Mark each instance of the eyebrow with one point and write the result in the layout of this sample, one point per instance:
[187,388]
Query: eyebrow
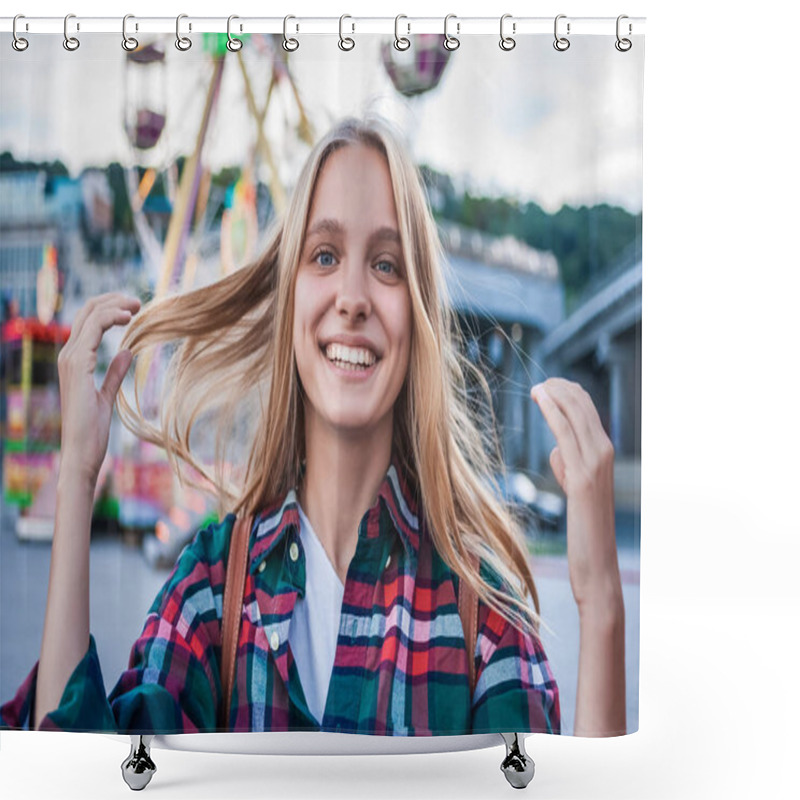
[333,226]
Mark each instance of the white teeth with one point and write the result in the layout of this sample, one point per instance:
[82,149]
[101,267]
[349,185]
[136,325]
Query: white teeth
[350,355]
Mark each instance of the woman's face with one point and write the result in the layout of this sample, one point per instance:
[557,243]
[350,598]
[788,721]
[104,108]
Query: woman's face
[352,311]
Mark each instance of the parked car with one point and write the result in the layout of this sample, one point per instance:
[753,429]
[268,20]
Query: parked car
[533,506]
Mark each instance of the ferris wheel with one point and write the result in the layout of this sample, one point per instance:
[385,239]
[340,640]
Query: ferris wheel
[169,206]
[174,209]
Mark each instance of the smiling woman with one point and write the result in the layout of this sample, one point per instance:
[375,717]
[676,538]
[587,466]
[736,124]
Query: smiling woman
[368,492]
[352,303]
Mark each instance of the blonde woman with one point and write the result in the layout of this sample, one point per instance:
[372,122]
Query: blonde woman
[370,483]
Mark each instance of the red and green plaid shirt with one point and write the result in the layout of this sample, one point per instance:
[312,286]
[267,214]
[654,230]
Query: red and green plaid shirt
[400,666]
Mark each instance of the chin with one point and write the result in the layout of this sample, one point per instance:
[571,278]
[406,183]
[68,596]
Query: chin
[351,423]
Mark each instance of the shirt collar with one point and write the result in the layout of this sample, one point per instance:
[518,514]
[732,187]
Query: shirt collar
[272,523]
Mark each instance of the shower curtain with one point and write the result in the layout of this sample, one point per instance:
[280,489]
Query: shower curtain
[398,284]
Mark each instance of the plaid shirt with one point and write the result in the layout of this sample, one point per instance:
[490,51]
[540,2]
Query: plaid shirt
[400,666]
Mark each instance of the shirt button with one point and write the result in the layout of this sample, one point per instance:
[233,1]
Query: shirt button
[262,566]
[388,561]
[274,640]
[294,551]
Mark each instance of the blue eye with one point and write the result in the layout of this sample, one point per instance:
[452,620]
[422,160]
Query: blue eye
[329,254]
[324,253]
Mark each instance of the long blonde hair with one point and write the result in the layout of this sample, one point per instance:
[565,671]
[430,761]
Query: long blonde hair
[234,363]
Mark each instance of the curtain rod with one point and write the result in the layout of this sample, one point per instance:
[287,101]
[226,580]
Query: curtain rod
[301,25]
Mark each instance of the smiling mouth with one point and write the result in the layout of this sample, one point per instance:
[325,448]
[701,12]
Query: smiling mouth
[349,366]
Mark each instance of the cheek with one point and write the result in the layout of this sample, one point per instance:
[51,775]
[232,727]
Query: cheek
[308,302]
[403,336]
[408,328]
[298,306]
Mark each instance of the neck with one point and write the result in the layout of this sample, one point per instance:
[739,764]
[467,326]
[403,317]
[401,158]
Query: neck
[341,482]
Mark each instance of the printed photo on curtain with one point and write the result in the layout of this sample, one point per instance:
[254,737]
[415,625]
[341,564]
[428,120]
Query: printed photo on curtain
[321,398]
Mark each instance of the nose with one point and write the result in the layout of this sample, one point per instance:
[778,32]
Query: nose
[352,296]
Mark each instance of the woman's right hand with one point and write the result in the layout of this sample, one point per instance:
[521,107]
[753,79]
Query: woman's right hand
[85,411]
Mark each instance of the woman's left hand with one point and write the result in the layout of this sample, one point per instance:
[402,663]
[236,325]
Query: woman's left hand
[583,463]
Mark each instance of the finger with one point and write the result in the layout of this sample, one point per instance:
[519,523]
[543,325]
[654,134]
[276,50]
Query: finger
[116,374]
[98,323]
[559,470]
[600,438]
[558,423]
[85,312]
[99,301]
[77,324]
[596,434]
[582,416]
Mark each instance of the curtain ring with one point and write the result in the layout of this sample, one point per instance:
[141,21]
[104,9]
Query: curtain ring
[128,42]
[345,42]
[507,42]
[233,44]
[289,45]
[18,43]
[451,42]
[561,43]
[183,43]
[623,45]
[70,42]
[401,43]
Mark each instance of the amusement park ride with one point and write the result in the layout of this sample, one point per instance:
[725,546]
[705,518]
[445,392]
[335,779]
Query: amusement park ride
[138,487]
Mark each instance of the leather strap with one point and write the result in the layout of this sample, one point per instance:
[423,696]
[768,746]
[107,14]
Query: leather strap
[468,611]
[232,614]
[232,609]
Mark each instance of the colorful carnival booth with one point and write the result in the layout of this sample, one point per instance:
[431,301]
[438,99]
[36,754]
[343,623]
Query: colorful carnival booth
[32,433]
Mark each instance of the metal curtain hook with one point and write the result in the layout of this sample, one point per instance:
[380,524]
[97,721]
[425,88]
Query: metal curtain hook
[70,42]
[507,42]
[289,45]
[346,43]
[183,43]
[561,43]
[233,44]
[623,45]
[18,43]
[451,42]
[128,42]
[401,43]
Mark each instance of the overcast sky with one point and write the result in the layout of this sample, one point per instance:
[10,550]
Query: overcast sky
[533,123]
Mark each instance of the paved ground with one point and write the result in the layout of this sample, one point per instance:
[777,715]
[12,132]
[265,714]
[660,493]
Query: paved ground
[124,586]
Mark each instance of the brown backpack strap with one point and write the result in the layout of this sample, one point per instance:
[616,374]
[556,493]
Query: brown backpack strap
[468,611]
[232,610]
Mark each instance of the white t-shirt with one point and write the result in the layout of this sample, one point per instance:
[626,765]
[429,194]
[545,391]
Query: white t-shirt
[314,629]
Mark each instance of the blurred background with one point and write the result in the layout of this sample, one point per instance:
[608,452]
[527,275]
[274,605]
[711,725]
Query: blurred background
[156,171]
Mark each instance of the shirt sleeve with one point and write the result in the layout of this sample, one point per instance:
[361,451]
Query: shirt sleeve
[172,684]
[172,681]
[515,689]
[83,705]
